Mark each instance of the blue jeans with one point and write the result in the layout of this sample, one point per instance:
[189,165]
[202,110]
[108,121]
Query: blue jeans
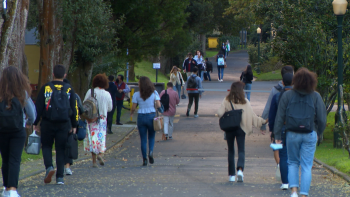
[177,88]
[301,149]
[221,72]
[119,110]
[208,75]
[202,75]
[284,159]
[144,124]
[248,86]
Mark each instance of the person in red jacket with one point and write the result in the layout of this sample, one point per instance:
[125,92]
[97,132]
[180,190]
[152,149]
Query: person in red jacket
[122,89]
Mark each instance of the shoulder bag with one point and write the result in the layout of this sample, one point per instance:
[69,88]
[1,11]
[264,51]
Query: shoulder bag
[231,120]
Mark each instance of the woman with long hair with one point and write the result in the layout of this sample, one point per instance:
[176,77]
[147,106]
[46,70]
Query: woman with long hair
[148,100]
[95,140]
[303,113]
[176,79]
[14,99]
[247,78]
[249,118]
[199,59]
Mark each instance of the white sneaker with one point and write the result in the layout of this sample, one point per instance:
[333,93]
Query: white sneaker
[222,80]
[4,193]
[240,176]
[294,195]
[284,186]
[232,179]
[68,171]
[196,116]
[12,193]
[219,80]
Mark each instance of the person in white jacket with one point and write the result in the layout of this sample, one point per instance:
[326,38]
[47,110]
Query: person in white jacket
[95,140]
[249,118]
[177,80]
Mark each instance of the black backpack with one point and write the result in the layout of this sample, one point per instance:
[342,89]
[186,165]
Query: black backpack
[165,101]
[192,83]
[58,107]
[11,120]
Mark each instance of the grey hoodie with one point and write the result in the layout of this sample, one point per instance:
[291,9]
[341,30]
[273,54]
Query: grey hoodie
[320,111]
[266,111]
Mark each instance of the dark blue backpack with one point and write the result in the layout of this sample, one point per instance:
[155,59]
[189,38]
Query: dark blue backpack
[11,119]
[58,107]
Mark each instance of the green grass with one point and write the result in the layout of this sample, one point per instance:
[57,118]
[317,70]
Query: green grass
[145,68]
[210,53]
[269,76]
[338,158]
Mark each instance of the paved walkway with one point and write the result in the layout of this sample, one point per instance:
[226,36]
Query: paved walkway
[194,163]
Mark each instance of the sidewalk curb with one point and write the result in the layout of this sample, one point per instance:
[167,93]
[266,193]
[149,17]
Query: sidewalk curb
[334,170]
[83,158]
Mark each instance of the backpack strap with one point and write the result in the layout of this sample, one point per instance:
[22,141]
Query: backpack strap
[92,92]
[278,88]
[232,105]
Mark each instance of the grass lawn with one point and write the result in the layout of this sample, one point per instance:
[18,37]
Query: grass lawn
[269,76]
[338,158]
[210,53]
[145,68]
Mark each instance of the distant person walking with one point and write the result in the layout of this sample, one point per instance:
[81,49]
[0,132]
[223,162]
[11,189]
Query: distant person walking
[304,115]
[220,60]
[209,68]
[247,78]
[169,114]
[228,48]
[249,118]
[113,90]
[14,99]
[95,141]
[58,117]
[199,59]
[189,64]
[148,101]
[194,82]
[123,88]
[176,79]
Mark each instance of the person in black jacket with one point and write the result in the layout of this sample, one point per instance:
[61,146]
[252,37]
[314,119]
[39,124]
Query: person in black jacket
[52,130]
[247,78]
[209,68]
[189,64]
[112,89]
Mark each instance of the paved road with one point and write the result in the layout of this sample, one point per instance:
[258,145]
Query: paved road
[194,163]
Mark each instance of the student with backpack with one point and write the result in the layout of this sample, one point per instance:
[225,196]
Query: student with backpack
[194,82]
[304,115]
[14,100]
[100,101]
[169,98]
[247,78]
[220,60]
[287,83]
[57,109]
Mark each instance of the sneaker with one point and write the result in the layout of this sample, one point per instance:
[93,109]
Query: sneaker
[59,181]
[187,113]
[68,171]
[294,195]
[196,116]
[221,80]
[232,179]
[49,173]
[166,136]
[12,193]
[170,138]
[284,186]
[240,176]
[4,193]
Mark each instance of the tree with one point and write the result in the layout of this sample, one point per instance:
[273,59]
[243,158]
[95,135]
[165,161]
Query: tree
[12,31]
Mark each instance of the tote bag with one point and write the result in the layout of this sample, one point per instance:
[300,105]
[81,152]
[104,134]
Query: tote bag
[158,122]
[231,120]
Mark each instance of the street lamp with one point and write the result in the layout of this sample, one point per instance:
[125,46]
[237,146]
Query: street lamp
[259,32]
[339,9]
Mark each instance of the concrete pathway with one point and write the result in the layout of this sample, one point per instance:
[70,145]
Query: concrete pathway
[194,163]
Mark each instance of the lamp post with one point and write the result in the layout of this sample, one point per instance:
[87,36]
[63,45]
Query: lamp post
[339,8]
[259,32]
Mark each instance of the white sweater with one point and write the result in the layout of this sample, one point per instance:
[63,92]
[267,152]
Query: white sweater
[176,78]
[104,100]
[249,118]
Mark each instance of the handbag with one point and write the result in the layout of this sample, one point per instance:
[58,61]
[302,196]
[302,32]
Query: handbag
[72,147]
[81,131]
[158,122]
[34,144]
[231,120]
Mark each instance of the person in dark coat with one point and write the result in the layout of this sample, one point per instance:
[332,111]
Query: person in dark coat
[112,89]
[209,68]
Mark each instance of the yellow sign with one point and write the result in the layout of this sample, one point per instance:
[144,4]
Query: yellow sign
[212,42]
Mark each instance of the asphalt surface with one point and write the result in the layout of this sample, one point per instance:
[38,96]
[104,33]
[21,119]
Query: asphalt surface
[194,163]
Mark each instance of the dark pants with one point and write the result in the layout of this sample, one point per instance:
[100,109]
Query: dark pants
[110,118]
[230,138]
[119,109]
[11,147]
[145,127]
[191,97]
[58,133]
[284,160]
[208,75]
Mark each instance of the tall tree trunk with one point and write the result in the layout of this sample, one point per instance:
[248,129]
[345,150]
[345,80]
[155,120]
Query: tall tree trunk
[80,78]
[203,39]
[131,71]
[51,42]
[12,32]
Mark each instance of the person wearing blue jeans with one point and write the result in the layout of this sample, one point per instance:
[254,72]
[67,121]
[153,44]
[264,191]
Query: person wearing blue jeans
[248,86]
[247,78]
[302,112]
[177,88]
[148,101]
[220,73]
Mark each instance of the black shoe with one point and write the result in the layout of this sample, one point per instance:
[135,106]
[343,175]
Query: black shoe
[109,131]
[119,123]
[150,157]
[187,113]
[144,162]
